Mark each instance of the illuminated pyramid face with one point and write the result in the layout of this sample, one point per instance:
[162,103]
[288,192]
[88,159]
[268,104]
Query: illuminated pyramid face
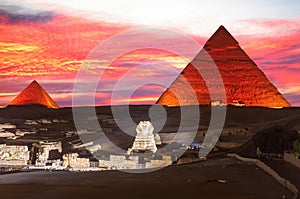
[34,94]
[243,80]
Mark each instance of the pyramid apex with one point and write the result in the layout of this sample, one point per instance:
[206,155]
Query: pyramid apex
[34,82]
[221,39]
[222,26]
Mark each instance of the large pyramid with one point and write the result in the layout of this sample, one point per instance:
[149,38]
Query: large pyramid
[242,79]
[34,94]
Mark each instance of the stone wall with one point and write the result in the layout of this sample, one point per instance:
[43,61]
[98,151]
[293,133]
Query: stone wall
[72,160]
[166,161]
[292,159]
[132,162]
[270,171]
[120,162]
[13,162]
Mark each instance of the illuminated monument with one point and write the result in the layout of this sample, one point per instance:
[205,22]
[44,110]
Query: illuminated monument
[34,94]
[243,80]
[145,139]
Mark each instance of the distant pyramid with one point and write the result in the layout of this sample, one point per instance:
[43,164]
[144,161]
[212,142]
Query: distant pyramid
[34,94]
[243,80]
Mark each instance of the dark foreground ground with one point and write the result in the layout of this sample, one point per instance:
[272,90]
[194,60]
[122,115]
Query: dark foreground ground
[199,180]
[286,170]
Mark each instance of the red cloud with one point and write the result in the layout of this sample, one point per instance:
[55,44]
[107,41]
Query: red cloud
[279,57]
[53,51]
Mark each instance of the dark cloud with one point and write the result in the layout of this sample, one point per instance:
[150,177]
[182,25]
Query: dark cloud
[282,64]
[294,47]
[272,66]
[11,14]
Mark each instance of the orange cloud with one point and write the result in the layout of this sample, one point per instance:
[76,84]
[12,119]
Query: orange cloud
[51,51]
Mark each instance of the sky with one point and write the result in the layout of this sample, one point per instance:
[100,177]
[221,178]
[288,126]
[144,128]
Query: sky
[48,41]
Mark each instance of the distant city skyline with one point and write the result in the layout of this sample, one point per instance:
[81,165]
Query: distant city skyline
[45,41]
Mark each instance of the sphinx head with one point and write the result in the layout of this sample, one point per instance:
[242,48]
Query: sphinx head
[144,128]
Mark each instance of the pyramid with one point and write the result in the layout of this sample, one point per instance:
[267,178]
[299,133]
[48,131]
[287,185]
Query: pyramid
[243,80]
[34,94]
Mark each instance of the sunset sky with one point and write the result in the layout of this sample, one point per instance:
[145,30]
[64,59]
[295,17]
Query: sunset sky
[46,41]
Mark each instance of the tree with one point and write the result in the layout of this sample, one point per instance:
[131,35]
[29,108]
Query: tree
[275,139]
[296,148]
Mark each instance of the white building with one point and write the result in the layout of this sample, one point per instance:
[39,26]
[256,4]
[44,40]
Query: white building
[14,155]
[44,151]
[72,160]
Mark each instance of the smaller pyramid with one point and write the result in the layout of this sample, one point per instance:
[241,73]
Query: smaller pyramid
[34,94]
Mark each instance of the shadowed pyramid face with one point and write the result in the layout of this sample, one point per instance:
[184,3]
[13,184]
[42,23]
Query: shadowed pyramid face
[34,94]
[243,80]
